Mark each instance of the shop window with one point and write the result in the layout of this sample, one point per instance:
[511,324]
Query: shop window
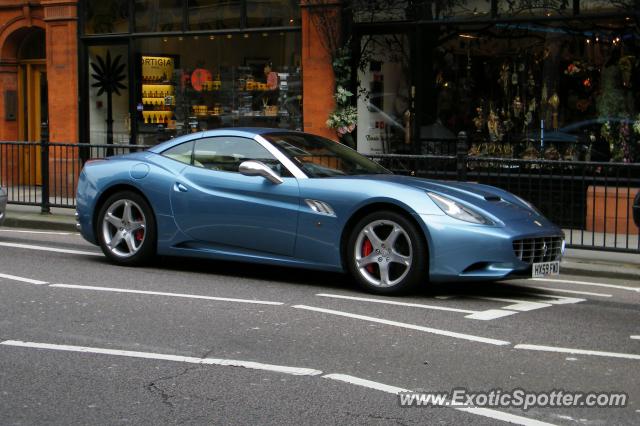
[194,83]
[106,16]
[109,118]
[384,116]
[158,15]
[272,13]
[214,14]
[565,90]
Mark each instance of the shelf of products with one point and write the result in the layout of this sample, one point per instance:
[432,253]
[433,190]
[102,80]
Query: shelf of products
[178,101]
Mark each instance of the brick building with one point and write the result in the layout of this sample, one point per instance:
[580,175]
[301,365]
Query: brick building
[38,69]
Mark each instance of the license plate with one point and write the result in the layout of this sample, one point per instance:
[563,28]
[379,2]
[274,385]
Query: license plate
[545,268]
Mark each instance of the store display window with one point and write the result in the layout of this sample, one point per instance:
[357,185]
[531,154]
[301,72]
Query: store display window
[109,88]
[565,90]
[384,94]
[194,83]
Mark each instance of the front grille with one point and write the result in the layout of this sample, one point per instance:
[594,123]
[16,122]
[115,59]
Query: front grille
[542,249]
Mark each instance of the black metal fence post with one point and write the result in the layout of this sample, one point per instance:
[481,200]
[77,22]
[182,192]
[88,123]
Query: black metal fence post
[45,206]
[462,152]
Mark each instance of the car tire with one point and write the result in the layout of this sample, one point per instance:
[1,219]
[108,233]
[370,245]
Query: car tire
[126,229]
[386,254]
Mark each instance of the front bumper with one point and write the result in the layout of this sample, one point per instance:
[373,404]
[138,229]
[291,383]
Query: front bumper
[460,251]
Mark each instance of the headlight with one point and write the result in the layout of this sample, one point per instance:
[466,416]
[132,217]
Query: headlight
[457,210]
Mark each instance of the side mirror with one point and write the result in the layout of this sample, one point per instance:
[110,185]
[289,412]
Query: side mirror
[257,168]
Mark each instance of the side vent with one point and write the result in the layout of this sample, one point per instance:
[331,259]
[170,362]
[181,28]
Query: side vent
[320,207]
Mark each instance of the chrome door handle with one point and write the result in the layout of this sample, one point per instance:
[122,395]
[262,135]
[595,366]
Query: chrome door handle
[178,187]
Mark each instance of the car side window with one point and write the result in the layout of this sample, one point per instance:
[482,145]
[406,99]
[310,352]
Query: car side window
[181,153]
[227,153]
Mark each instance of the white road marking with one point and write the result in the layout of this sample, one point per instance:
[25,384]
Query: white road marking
[485,412]
[518,304]
[159,293]
[22,279]
[477,315]
[52,249]
[490,314]
[405,325]
[558,300]
[576,351]
[620,287]
[392,302]
[557,290]
[635,337]
[296,371]
[22,231]
[365,383]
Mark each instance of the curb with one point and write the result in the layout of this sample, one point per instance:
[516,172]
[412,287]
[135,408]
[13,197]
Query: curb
[621,272]
[33,223]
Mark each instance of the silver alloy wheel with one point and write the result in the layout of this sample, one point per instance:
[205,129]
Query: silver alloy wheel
[387,249]
[124,228]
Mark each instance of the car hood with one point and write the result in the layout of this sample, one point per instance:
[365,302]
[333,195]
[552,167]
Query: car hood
[497,202]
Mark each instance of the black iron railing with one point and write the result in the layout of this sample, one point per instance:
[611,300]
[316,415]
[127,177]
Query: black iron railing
[592,202]
[46,174]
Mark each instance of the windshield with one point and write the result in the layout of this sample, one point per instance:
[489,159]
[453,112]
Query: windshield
[319,157]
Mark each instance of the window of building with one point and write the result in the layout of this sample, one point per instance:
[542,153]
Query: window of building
[108,92]
[106,16]
[528,90]
[272,13]
[195,83]
[214,14]
[158,15]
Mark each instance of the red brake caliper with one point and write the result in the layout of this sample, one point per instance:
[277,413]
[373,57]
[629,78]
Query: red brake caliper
[367,249]
[139,234]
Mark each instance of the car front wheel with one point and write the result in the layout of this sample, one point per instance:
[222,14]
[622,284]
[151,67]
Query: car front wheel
[386,253]
[126,229]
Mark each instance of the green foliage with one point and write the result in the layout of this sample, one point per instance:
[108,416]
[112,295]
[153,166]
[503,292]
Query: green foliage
[344,117]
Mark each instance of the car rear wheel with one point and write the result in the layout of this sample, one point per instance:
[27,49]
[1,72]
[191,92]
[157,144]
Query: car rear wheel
[386,254]
[126,229]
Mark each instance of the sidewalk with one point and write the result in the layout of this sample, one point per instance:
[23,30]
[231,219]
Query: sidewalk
[587,263]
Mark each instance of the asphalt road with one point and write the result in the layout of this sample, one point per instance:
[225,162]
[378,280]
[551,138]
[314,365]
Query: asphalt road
[199,342]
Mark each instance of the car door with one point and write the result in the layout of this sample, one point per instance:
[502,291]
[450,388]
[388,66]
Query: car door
[213,203]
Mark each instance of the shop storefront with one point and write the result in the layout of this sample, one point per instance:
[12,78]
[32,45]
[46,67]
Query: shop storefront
[154,69]
[536,79]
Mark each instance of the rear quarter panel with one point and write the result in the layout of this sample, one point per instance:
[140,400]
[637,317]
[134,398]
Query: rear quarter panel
[99,178]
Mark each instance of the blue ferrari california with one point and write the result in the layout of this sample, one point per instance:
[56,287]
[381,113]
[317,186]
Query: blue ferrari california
[289,198]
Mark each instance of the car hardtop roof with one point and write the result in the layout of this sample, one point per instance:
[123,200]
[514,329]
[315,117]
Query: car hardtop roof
[247,132]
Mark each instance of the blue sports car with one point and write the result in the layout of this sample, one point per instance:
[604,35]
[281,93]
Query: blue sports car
[289,198]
